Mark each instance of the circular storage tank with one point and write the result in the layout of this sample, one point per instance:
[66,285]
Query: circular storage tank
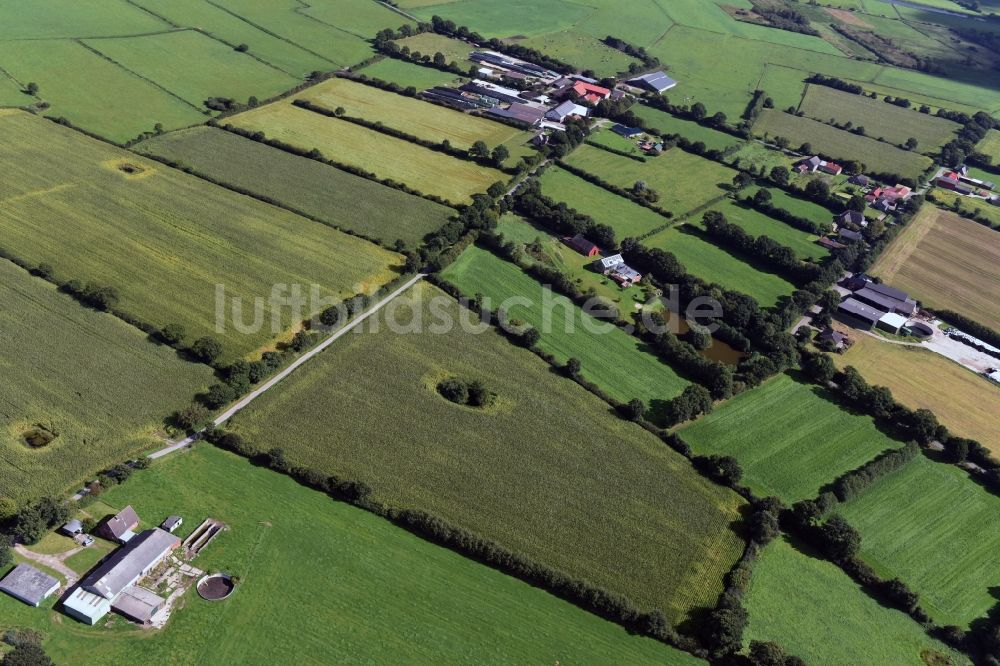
[216,587]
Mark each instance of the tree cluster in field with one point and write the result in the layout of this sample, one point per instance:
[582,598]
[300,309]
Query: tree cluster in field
[30,523]
[784,17]
[755,107]
[315,154]
[385,45]
[761,202]
[763,249]
[438,248]
[857,481]
[962,148]
[479,153]
[561,144]
[609,605]
[646,61]
[634,194]
[715,376]
[461,392]
[835,83]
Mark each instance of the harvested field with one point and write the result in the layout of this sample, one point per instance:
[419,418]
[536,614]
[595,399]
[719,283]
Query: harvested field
[965,402]
[163,239]
[893,123]
[523,490]
[946,261]
[427,171]
[790,438]
[841,145]
[336,197]
[98,385]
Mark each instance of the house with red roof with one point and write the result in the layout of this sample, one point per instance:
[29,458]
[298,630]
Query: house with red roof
[831,168]
[590,92]
[896,192]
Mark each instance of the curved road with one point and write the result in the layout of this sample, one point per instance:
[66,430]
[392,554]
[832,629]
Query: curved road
[253,395]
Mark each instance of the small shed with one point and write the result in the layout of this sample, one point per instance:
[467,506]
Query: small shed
[28,584]
[171,523]
[72,528]
[583,246]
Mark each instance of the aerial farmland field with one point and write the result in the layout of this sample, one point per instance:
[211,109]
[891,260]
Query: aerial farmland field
[683,181]
[934,528]
[628,219]
[427,171]
[165,239]
[67,74]
[991,146]
[840,144]
[614,360]
[758,224]
[515,18]
[585,50]
[946,261]
[219,23]
[97,383]
[375,578]
[407,74]
[789,437]
[966,403]
[407,114]
[668,124]
[561,447]
[336,197]
[792,597]
[880,119]
[194,66]
[714,264]
[69,18]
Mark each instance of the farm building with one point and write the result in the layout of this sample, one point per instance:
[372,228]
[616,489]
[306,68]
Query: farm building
[809,165]
[565,110]
[830,244]
[112,585]
[72,528]
[583,246]
[886,298]
[625,131]
[654,81]
[524,113]
[851,218]
[589,92]
[120,527]
[891,322]
[835,339]
[28,584]
[897,191]
[488,89]
[884,204]
[860,179]
[171,523]
[494,59]
[616,268]
[858,314]
[831,168]
[608,263]
[849,235]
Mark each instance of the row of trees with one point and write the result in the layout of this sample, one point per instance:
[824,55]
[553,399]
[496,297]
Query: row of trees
[763,249]
[637,194]
[762,201]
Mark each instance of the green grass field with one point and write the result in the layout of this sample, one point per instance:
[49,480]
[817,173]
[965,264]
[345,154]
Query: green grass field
[841,145]
[683,181]
[358,17]
[990,145]
[628,219]
[583,50]
[801,207]
[758,224]
[752,155]
[96,382]
[165,239]
[790,439]
[427,171]
[429,43]
[408,74]
[67,74]
[880,120]
[605,137]
[668,124]
[793,597]
[560,451]
[713,264]
[69,18]
[614,360]
[338,198]
[935,529]
[371,592]
[413,116]
[515,18]
[288,20]
[215,21]
[194,66]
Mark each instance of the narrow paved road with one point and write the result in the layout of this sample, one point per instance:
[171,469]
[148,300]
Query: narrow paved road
[253,395]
